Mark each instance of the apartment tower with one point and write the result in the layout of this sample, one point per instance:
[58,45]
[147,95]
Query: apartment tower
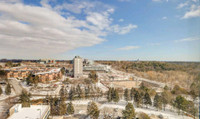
[78,67]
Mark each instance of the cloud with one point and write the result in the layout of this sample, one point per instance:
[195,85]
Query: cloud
[188,39]
[43,31]
[128,48]
[164,18]
[181,5]
[123,30]
[38,31]
[11,1]
[121,20]
[159,0]
[194,12]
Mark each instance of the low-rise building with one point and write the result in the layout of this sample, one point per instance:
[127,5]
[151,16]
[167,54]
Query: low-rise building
[32,112]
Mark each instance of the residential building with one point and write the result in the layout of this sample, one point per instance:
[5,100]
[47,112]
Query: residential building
[78,67]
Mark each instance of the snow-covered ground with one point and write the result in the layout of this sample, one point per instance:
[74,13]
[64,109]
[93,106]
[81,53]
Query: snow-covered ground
[121,106]
[101,86]
[149,111]
[3,96]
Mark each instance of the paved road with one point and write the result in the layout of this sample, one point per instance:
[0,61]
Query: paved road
[16,86]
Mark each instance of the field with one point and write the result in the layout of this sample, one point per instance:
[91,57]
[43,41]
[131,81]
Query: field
[181,73]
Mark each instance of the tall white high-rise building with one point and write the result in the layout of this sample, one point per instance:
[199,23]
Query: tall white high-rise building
[78,67]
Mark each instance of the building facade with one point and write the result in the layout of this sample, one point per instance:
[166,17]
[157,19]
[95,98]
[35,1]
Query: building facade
[78,67]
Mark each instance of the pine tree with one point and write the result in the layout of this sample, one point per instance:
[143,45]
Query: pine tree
[143,87]
[92,110]
[132,93]
[109,95]
[62,93]
[71,94]
[129,112]
[137,98]
[93,75]
[79,92]
[70,108]
[8,89]
[112,93]
[1,91]
[180,103]
[25,99]
[157,101]
[62,107]
[115,96]
[87,92]
[147,99]
[126,95]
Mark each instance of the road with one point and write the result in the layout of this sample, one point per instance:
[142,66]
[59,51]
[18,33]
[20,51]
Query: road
[17,87]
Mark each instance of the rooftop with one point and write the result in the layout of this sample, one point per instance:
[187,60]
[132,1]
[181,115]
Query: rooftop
[32,112]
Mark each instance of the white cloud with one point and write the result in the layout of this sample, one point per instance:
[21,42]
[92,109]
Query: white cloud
[38,31]
[128,48]
[194,12]
[41,31]
[160,0]
[11,1]
[188,39]
[164,18]
[123,30]
[181,5]
[121,20]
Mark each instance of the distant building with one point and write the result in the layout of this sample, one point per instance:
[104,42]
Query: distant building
[78,67]
[47,61]
[32,112]
[97,68]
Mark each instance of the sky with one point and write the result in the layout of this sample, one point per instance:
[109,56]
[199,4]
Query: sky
[154,30]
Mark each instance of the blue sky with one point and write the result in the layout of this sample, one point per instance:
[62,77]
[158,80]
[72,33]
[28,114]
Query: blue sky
[161,30]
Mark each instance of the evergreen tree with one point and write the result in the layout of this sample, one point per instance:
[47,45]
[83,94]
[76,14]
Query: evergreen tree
[25,99]
[63,71]
[132,93]
[55,106]
[92,110]
[180,103]
[115,96]
[71,94]
[147,99]
[70,108]
[79,92]
[157,101]
[109,95]
[8,89]
[93,75]
[62,107]
[143,87]
[87,92]
[137,98]
[1,91]
[166,87]
[62,93]
[129,112]
[126,95]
